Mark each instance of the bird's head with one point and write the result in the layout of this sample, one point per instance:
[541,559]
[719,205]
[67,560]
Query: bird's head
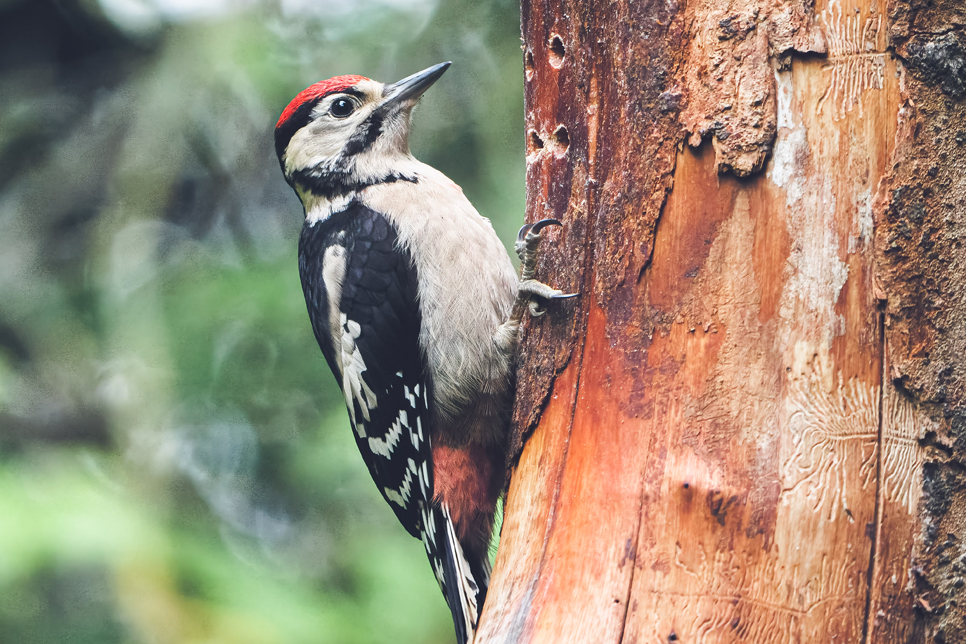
[347,132]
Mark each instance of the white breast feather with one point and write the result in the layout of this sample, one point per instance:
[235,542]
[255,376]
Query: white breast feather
[467,281]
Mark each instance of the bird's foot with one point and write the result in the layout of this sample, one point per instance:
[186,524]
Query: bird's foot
[534,294]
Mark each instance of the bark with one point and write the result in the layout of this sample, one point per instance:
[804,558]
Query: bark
[751,425]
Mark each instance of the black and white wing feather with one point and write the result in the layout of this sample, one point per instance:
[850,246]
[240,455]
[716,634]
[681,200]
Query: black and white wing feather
[360,289]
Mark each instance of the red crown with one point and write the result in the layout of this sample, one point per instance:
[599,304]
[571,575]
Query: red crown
[320,89]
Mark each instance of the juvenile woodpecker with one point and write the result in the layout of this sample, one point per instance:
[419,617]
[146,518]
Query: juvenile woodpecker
[416,307]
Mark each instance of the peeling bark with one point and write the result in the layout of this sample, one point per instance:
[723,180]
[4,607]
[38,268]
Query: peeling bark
[729,79]
[920,226]
[751,425]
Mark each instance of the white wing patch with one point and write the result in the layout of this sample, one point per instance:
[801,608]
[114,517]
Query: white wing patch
[417,436]
[424,480]
[410,396]
[384,447]
[401,496]
[429,535]
[333,276]
[353,366]
[429,521]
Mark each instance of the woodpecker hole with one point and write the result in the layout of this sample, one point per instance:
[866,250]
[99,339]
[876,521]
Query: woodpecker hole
[557,51]
[534,142]
[561,140]
[528,65]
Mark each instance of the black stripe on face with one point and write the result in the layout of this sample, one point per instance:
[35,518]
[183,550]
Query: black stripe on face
[285,131]
[365,135]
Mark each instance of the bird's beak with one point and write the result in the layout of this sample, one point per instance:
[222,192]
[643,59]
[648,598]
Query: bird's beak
[409,89]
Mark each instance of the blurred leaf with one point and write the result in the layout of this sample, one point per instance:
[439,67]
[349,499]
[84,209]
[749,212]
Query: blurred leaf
[175,459]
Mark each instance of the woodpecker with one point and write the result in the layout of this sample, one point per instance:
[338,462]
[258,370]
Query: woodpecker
[416,307]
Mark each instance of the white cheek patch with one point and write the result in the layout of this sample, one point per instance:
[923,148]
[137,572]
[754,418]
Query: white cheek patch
[320,142]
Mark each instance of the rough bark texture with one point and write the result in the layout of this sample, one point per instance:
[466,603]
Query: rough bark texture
[752,424]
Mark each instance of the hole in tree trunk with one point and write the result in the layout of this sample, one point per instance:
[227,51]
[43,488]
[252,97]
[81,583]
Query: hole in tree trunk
[534,142]
[557,51]
[560,140]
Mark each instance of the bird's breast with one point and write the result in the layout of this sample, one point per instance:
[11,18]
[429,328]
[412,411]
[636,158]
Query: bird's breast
[466,280]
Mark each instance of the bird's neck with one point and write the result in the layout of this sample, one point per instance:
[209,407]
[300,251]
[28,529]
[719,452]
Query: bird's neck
[326,191]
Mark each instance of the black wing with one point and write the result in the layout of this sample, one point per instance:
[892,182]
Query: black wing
[360,289]
[371,343]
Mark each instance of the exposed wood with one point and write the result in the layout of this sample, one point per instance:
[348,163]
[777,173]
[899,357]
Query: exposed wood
[750,426]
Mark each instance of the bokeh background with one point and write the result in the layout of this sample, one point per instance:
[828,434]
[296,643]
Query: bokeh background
[175,460]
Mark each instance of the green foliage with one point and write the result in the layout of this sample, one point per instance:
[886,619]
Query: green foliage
[175,459]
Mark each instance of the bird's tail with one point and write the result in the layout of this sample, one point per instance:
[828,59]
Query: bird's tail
[462,577]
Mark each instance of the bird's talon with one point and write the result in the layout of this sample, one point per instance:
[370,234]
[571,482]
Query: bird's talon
[543,223]
[537,293]
[534,288]
[528,230]
[533,236]
[527,242]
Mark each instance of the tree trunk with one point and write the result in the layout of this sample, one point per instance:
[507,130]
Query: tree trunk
[751,424]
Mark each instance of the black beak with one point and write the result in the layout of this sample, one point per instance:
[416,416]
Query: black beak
[409,89]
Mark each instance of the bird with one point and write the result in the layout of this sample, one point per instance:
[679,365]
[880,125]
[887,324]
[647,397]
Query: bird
[416,306]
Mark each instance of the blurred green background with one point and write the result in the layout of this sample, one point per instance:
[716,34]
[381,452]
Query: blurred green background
[175,460]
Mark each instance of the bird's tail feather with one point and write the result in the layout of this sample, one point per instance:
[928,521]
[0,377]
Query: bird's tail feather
[463,579]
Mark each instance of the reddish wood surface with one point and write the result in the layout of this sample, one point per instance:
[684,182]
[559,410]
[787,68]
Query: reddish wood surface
[721,440]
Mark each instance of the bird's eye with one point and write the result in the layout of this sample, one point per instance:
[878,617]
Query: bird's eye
[341,108]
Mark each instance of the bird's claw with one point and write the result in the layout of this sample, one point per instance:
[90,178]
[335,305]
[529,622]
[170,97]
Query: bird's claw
[527,241]
[535,228]
[538,293]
